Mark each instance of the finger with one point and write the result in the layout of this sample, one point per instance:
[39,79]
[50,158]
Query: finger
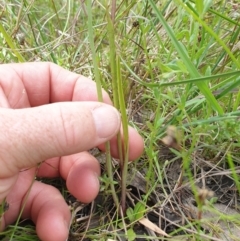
[45,206]
[16,196]
[36,134]
[81,172]
[50,168]
[48,210]
[39,83]
[136,145]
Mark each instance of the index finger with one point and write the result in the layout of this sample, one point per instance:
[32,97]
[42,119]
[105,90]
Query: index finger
[39,83]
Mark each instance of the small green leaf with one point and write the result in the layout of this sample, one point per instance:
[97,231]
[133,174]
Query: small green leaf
[139,210]
[131,234]
[130,214]
[120,225]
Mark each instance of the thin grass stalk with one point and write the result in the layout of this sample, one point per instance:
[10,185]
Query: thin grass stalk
[113,11]
[224,17]
[30,23]
[217,30]
[63,29]
[11,44]
[43,36]
[111,37]
[125,146]
[19,18]
[118,98]
[67,19]
[33,18]
[232,42]
[95,60]
[21,15]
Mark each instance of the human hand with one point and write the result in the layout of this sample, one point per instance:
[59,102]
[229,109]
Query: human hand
[64,121]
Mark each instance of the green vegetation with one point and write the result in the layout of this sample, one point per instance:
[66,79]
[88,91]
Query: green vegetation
[172,68]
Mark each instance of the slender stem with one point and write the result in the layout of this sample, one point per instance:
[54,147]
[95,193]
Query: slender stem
[95,60]
[119,102]
[125,147]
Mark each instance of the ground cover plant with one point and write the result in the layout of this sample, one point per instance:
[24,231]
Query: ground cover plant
[172,68]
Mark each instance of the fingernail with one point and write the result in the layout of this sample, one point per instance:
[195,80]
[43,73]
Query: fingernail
[107,121]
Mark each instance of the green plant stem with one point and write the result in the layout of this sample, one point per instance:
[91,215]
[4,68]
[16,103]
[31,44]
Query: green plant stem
[119,103]
[114,78]
[125,135]
[100,98]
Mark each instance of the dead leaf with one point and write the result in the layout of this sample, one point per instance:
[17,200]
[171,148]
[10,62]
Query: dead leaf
[148,224]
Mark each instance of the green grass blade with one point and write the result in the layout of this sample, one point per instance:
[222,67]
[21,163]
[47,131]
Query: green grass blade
[224,17]
[11,44]
[189,65]
[199,79]
[93,52]
[208,29]
[199,6]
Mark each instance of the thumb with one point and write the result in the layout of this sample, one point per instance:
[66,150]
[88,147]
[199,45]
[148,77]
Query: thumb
[32,135]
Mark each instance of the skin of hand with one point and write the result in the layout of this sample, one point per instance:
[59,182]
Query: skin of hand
[50,114]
